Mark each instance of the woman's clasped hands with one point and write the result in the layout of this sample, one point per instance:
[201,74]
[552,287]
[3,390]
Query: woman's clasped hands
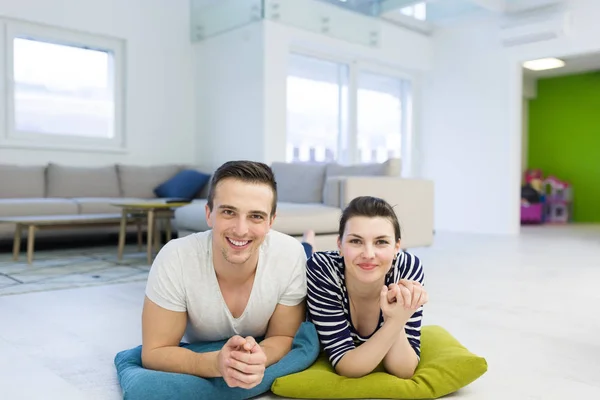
[400,301]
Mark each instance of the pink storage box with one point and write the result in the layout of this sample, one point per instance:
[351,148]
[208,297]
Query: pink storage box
[532,213]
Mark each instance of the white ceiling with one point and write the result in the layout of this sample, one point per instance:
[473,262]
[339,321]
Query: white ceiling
[573,65]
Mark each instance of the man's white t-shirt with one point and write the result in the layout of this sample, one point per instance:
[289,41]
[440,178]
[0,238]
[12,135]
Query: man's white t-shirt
[183,278]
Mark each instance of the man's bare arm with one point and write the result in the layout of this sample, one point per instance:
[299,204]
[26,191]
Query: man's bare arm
[162,330]
[283,325]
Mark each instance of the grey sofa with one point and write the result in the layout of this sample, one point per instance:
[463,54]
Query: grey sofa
[311,196]
[56,189]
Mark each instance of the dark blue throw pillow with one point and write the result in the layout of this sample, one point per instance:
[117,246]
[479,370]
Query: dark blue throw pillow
[138,383]
[185,184]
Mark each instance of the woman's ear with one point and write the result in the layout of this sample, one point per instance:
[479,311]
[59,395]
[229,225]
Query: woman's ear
[397,246]
[339,244]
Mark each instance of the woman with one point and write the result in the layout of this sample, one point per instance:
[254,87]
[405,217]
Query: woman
[366,298]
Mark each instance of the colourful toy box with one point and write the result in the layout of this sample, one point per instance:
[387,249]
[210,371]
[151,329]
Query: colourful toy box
[554,203]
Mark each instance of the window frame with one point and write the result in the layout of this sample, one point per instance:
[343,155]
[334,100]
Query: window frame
[13,138]
[356,65]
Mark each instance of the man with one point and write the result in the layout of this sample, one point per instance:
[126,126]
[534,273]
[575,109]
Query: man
[237,281]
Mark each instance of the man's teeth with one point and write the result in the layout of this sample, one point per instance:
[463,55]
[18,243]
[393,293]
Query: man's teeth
[238,243]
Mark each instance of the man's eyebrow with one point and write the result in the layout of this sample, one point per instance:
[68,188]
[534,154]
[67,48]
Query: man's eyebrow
[264,214]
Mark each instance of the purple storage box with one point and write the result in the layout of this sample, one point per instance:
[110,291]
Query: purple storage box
[532,213]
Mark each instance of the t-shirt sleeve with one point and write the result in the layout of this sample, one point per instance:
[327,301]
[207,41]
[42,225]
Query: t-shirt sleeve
[412,269]
[325,307]
[165,280]
[295,291]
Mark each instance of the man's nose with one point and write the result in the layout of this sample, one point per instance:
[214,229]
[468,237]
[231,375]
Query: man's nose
[241,227]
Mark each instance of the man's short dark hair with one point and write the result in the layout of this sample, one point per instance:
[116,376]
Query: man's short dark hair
[245,171]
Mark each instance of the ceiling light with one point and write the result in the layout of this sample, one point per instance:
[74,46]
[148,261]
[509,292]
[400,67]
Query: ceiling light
[543,64]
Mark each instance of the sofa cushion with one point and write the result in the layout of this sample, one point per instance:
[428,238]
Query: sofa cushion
[70,181]
[394,167]
[37,206]
[192,217]
[292,218]
[139,181]
[204,169]
[332,191]
[390,167]
[185,184]
[336,172]
[20,181]
[299,182]
[296,218]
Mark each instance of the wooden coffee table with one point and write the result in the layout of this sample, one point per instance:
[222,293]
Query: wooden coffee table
[151,211]
[37,222]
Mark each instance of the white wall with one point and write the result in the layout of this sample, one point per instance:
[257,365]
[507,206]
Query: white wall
[472,125]
[254,59]
[529,92]
[230,96]
[465,143]
[159,121]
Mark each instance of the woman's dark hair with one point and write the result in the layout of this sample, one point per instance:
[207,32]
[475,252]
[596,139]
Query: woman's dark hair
[368,206]
[245,171]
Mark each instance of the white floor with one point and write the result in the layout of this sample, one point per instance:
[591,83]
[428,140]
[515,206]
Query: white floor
[529,304]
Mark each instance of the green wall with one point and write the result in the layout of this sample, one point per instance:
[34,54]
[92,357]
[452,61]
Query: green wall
[564,137]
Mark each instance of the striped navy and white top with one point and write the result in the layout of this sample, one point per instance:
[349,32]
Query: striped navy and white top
[329,310]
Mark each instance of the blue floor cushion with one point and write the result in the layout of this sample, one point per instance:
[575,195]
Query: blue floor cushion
[140,383]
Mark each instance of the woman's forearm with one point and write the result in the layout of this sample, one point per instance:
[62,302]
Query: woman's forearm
[365,358]
[401,360]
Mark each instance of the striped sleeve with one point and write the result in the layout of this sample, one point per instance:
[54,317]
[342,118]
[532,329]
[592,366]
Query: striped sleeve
[410,268]
[325,307]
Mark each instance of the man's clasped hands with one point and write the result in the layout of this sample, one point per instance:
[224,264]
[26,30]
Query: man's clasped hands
[242,362]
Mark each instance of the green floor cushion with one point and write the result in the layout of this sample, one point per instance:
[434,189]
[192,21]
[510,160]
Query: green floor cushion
[445,367]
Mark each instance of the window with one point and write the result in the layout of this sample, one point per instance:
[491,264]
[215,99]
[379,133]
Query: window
[417,11]
[380,114]
[317,95]
[64,89]
[345,112]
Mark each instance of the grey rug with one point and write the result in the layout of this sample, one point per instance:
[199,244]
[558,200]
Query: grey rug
[65,269]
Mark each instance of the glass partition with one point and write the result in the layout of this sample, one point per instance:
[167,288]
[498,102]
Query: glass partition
[356,21]
[209,18]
